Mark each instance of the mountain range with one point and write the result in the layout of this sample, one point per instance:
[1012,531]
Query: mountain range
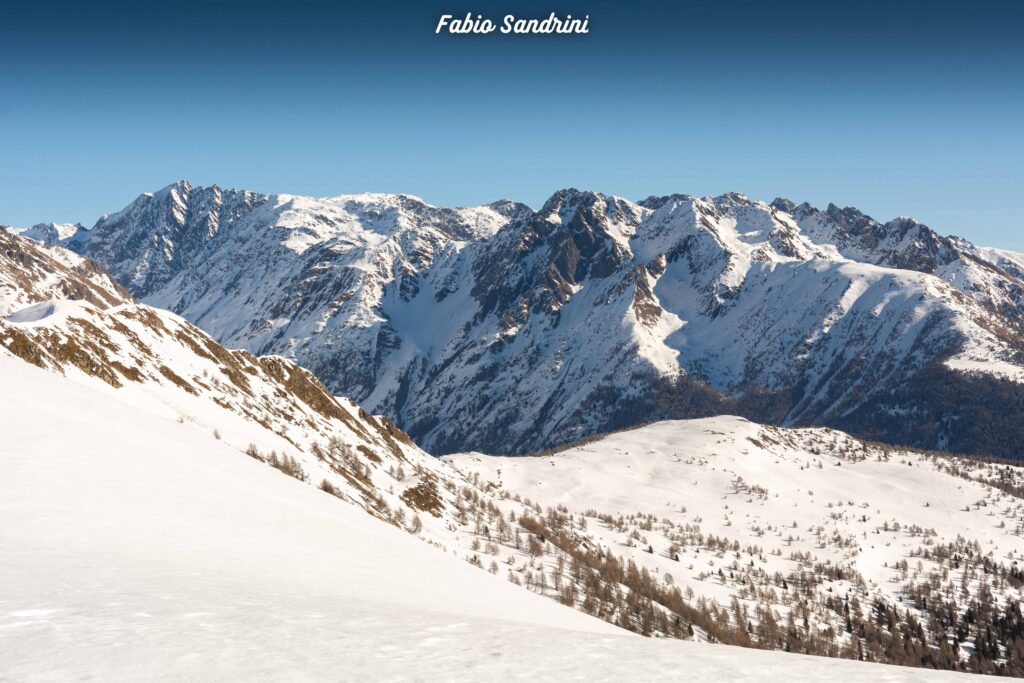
[507,330]
[183,502]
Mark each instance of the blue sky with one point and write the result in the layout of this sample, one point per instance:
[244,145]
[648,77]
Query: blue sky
[908,108]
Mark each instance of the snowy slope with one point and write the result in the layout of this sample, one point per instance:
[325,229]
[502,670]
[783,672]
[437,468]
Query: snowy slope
[31,273]
[707,466]
[800,521]
[134,541]
[138,549]
[509,330]
[266,406]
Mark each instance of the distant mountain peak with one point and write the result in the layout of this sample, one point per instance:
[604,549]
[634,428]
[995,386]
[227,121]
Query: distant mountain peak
[656,202]
[783,204]
[50,233]
[730,199]
[182,186]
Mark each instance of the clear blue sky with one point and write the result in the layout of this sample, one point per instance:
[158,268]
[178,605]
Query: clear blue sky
[912,108]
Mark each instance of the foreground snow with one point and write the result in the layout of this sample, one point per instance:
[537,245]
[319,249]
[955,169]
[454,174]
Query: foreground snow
[136,548]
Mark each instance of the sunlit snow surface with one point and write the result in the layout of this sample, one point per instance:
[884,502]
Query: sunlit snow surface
[696,472]
[136,548]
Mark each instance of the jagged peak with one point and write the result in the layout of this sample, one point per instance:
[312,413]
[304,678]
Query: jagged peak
[730,199]
[563,197]
[180,187]
[783,204]
[655,202]
[182,191]
[509,208]
[853,219]
[906,220]
[726,200]
[849,216]
[563,205]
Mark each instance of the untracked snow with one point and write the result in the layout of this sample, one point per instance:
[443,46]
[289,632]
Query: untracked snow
[137,549]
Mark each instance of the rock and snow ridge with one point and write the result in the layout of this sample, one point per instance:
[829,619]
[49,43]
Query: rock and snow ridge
[47,233]
[32,273]
[503,329]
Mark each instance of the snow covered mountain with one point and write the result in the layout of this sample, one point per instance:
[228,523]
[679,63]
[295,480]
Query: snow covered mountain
[507,330]
[47,233]
[137,473]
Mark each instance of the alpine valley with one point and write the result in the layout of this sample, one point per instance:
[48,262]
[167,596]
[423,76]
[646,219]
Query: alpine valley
[221,413]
